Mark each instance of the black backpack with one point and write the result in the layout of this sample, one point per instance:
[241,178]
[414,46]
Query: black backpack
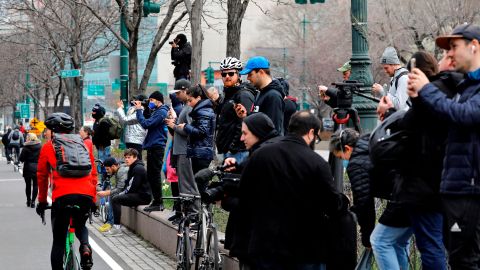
[115,129]
[15,135]
[388,150]
[73,158]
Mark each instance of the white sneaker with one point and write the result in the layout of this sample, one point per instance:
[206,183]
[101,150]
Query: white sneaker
[114,232]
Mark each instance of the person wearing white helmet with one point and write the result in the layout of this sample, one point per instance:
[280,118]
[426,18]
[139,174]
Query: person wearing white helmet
[229,125]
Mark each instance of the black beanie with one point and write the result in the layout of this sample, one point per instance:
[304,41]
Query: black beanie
[157,95]
[260,125]
[109,162]
[182,39]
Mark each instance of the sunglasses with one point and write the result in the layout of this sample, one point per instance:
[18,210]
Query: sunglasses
[231,74]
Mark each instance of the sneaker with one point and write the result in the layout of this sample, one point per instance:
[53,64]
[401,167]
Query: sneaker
[114,232]
[154,207]
[86,261]
[29,203]
[105,227]
[32,205]
[175,216]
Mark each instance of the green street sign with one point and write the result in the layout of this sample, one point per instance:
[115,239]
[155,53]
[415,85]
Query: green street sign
[24,110]
[17,114]
[70,73]
[95,90]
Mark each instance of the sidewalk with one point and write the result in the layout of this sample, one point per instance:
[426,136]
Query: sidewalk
[134,252]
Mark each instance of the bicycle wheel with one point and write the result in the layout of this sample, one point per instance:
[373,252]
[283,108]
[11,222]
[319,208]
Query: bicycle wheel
[184,247]
[211,259]
[69,260]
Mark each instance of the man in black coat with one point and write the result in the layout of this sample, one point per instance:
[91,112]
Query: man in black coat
[5,142]
[281,186]
[181,55]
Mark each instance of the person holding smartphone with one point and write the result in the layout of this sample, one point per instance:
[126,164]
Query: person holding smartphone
[134,132]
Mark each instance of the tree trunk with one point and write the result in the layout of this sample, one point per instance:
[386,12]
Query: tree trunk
[197,40]
[236,11]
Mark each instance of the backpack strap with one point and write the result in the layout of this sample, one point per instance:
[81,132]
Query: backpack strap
[405,72]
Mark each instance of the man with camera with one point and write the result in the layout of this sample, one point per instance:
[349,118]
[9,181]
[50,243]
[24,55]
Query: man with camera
[134,132]
[329,94]
[154,143]
[181,55]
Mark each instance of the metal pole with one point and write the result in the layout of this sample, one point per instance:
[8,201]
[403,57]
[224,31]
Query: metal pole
[123,68]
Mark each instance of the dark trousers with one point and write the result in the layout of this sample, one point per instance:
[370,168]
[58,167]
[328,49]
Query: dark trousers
[129,199]
[7,153]
[428,229]
[462,231]
[137,147]
[61,219]
[31,188]
[154,170]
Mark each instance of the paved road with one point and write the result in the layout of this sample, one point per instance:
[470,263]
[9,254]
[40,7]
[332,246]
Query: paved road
[25,243]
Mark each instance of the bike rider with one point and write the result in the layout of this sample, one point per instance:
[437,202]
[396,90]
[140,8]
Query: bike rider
[79,191]
[16,141]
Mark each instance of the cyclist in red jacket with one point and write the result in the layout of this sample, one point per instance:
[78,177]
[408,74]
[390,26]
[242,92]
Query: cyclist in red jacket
[71,196]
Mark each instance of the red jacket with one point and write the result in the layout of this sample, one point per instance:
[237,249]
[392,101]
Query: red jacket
[61,185]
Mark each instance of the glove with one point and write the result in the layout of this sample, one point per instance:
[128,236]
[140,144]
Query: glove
[41,206]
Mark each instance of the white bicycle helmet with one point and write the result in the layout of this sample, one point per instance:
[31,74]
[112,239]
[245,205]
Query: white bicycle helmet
[231,63]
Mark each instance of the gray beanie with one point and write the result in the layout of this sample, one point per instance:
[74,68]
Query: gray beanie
[390,57]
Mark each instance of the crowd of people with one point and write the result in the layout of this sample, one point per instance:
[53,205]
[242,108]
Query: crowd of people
[433,191]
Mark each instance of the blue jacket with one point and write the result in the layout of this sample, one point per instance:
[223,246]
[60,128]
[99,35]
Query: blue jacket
[461,166]
[155,125]
[200,131]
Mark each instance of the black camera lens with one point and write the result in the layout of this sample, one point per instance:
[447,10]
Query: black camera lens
[170,42]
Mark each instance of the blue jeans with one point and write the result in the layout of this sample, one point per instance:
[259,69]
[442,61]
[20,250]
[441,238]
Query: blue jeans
[390,246]
[240,157]
[102,155]
[428,230]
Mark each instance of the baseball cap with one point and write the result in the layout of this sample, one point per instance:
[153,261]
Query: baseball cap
[254,63]
[181,84]
[465,31]
[108,162]
[345,67]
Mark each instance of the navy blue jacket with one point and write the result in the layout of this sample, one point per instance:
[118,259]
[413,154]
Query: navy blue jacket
[157,131]
[461,167]
[270,102]
[200,131]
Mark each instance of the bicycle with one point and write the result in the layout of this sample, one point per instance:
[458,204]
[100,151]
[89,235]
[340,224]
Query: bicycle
[104,202]
[14,154]
[70,259]
[184,253]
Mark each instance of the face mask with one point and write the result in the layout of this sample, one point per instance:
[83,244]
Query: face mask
[345,163]
[152,105]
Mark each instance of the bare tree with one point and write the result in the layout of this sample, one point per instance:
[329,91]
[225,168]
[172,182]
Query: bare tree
[132,17]
[195,13]
[235,12]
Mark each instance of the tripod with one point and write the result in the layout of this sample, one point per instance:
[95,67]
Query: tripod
[341,117]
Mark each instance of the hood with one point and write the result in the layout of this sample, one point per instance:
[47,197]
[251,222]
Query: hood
[32,143]
[137,162]
[203,103]
[275,85]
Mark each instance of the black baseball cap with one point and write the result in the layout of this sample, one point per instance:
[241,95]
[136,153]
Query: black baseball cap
[181,84]
[464,31]
[109,162]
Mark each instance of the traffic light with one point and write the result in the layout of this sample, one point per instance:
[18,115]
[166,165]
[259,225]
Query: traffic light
[149,7]
[209,75]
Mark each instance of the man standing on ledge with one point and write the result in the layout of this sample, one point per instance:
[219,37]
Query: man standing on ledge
[155,145]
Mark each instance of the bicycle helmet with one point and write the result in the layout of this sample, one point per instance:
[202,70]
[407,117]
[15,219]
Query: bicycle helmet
[60,122]
[231,63]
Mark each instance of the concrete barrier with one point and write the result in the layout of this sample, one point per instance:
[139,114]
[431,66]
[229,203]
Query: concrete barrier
[156,229]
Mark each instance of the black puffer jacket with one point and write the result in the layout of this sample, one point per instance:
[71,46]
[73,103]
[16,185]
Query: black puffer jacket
[100,136]
[29,157]
[200,131]
[270,102]
[229,125]
[358,170]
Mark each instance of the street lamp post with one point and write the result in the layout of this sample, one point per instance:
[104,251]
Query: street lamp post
[361,65]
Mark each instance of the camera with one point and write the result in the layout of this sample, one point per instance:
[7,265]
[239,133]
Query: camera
[171,42]
[345,91]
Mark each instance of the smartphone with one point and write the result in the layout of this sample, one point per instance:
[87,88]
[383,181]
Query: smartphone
[413,63]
